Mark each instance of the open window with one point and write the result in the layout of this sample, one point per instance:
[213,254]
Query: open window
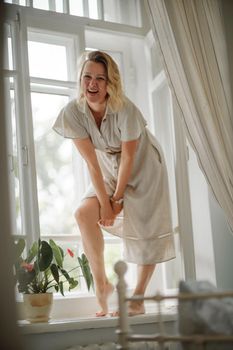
[48,176]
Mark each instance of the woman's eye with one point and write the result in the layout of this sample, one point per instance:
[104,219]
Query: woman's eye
[89,77]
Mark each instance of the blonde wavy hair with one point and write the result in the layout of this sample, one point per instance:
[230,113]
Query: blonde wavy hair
[114,86]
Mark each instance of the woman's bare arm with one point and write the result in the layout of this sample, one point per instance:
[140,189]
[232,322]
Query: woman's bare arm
[87,151]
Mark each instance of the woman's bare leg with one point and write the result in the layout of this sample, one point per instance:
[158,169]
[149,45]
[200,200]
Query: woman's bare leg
[144,275]
[87,216]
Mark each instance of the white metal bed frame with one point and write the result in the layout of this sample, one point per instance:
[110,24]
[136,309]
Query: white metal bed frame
[125,334]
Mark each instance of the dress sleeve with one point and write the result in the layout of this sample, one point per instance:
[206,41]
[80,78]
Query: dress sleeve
[70,123]
[130,122]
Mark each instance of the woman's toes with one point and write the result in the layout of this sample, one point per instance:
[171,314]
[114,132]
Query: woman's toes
[114,314]
[136,308]
[100,314]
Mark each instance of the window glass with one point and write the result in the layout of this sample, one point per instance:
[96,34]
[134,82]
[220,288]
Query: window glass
[118,11]
[41,4]
[8,56]
[71,264]
[59,6]
[47,60]
[112,253]
[93,9]
[156,64]
[55,180]
[76,7]
[174,269]
[121,11]
[15,168]
[13,158]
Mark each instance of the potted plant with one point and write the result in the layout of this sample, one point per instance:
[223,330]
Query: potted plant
[41,272]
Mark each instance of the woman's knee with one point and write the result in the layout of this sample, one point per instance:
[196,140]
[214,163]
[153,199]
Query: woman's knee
[88,212]
[80,215]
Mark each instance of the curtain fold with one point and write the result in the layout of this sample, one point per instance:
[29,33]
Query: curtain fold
[190,35]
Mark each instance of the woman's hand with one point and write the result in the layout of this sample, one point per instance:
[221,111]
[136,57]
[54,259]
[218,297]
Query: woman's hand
[117,208]
[107,215]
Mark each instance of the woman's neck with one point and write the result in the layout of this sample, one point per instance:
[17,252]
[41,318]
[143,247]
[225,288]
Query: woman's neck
[98,110]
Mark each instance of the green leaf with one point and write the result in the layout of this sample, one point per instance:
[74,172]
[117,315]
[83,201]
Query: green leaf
[61,288]
[55,273]
[33,251]
[62,252]
[86,271]
[72,283]
[65,274]
[57,253]
[19,248]
[45,255]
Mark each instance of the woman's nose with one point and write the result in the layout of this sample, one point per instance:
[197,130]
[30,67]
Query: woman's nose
[93,82]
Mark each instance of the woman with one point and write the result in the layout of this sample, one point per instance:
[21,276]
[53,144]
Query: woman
[127,171]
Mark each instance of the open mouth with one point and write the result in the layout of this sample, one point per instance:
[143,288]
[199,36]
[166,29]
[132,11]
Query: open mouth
[92,92]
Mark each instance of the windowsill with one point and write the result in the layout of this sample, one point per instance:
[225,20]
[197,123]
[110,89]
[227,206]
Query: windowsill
[59,324]
[79,311]
[80,323]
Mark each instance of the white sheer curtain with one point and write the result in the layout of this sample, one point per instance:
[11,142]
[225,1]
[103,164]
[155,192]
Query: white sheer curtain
[191,38]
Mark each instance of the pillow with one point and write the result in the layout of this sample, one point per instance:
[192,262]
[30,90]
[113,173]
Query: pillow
[205,316]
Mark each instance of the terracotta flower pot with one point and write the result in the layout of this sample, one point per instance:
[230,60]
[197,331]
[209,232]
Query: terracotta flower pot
[38,307]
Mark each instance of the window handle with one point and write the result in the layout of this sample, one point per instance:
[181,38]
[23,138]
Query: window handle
[25,155]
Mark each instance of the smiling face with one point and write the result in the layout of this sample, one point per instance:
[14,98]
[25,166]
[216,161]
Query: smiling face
[94,83]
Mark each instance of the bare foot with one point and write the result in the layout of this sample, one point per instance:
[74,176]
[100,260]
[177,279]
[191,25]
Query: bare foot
[114,314]
[102,297]
[136,308]
[101,313]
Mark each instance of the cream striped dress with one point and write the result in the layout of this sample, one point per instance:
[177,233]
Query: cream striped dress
[145,224]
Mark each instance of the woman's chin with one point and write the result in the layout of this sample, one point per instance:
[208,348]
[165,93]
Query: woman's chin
[94,99]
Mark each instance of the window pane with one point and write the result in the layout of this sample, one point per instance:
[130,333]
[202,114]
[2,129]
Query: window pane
[71,264]
[8,56]
[156,63]
[112,253]
[76,7]
[16,167]
[122,11]
[18,2]
[55,180]
[93,9]
[41,4]
[59,6]
[13,159]
[47,60]
[174,268]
